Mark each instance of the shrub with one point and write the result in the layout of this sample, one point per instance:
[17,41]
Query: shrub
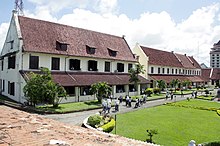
[217,143]
[156,90]
[177,89]
[218,112]
[149,91]
[206,92]
[189,87]
[94,120]
[109,126]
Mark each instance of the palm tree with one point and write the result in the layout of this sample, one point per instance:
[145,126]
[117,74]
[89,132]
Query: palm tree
[174,83]
[186,83]
[135,72]
[101,89]
[161,84]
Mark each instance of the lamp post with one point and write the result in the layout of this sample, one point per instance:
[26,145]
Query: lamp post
[115,123]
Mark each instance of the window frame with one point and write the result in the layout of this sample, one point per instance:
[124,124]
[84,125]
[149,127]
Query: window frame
[55,63]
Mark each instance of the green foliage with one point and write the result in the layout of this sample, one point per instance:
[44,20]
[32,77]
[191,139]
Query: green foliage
[151,133]
[186,83]
[101,89]
[176,125]
[41,89]
[94,120]
[161,84]
[156,90]
[218,112]
[217,143]
[206,92]
[109,126]
[135,72]
[174,83]
[206,97]
[148,91]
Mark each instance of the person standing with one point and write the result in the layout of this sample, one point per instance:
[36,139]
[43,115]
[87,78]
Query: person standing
[109,105]
[116,104]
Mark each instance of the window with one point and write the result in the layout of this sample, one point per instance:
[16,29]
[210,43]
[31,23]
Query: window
[183,71]
[112,52]
[120,89]
[11,62]
[85,90]
[74,64]
[61,46]
[176,71]
[168,70]
[158,70]
[163,70]
[11,44]
[92,65]
[70,90]
[152,70]
[55,63]
[90,50]
[132,88]
[120,67]
[3,85]
[11,88]
[172,70]
[179,71]
[2,64]
[34,62]
[107,66]
[129,66]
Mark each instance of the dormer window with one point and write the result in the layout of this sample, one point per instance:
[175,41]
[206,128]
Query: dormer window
[90,50]
[112,53]
[61,46]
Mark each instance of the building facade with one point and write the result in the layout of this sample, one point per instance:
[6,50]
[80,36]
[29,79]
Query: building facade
[76,57]
[215,56]
[163,65]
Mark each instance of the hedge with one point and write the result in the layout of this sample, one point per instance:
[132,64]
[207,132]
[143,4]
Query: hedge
[218,112]
[109,126]
[217,143]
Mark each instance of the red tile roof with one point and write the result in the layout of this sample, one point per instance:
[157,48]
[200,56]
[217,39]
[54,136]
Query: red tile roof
[169,78]
[206,74]
[185,61]
[41,36]
[163,58]
[215,74]
[87,79]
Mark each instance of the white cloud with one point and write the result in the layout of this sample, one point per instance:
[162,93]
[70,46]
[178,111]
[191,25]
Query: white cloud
[106,6]
[193,36]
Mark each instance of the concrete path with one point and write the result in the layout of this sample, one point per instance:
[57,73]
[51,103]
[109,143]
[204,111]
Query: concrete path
[77,118]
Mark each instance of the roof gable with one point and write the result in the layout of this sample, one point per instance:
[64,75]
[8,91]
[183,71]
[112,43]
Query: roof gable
[41,36]
[185,61]
[163,58]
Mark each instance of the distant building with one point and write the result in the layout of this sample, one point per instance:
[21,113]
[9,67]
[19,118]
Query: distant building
[211,76]
[215,56]
[203,65]
[163,65]
[76,57]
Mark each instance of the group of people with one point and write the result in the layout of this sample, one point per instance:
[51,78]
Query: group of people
[107,103]
[169,95]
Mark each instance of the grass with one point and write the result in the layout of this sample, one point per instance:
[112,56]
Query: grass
[176,126]
[70,107]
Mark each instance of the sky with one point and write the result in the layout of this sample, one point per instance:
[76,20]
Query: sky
[187,27]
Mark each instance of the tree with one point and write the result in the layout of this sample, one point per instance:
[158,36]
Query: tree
[101,89]
[135,72]
[174,83]
[40,88]
[151,133]
[186,83]
[161,84]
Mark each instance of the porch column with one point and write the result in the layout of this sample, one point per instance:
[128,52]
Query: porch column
[77,94]
[113,90]
[127,89]
[139,89]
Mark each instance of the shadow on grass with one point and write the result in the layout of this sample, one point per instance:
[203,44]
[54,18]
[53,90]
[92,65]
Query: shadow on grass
[92,102]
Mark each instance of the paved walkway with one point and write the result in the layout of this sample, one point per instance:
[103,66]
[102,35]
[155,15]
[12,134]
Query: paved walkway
[78,117]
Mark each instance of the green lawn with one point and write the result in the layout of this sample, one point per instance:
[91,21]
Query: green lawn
[176,125]
[71,107]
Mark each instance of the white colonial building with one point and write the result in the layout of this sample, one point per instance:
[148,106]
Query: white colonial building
[76,57]
[164,65]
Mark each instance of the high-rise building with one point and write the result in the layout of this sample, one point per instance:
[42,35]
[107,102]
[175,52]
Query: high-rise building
[215,55]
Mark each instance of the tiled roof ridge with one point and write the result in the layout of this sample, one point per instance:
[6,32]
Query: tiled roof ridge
[143,47]
[178,58]
[74,27]
[190,60]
